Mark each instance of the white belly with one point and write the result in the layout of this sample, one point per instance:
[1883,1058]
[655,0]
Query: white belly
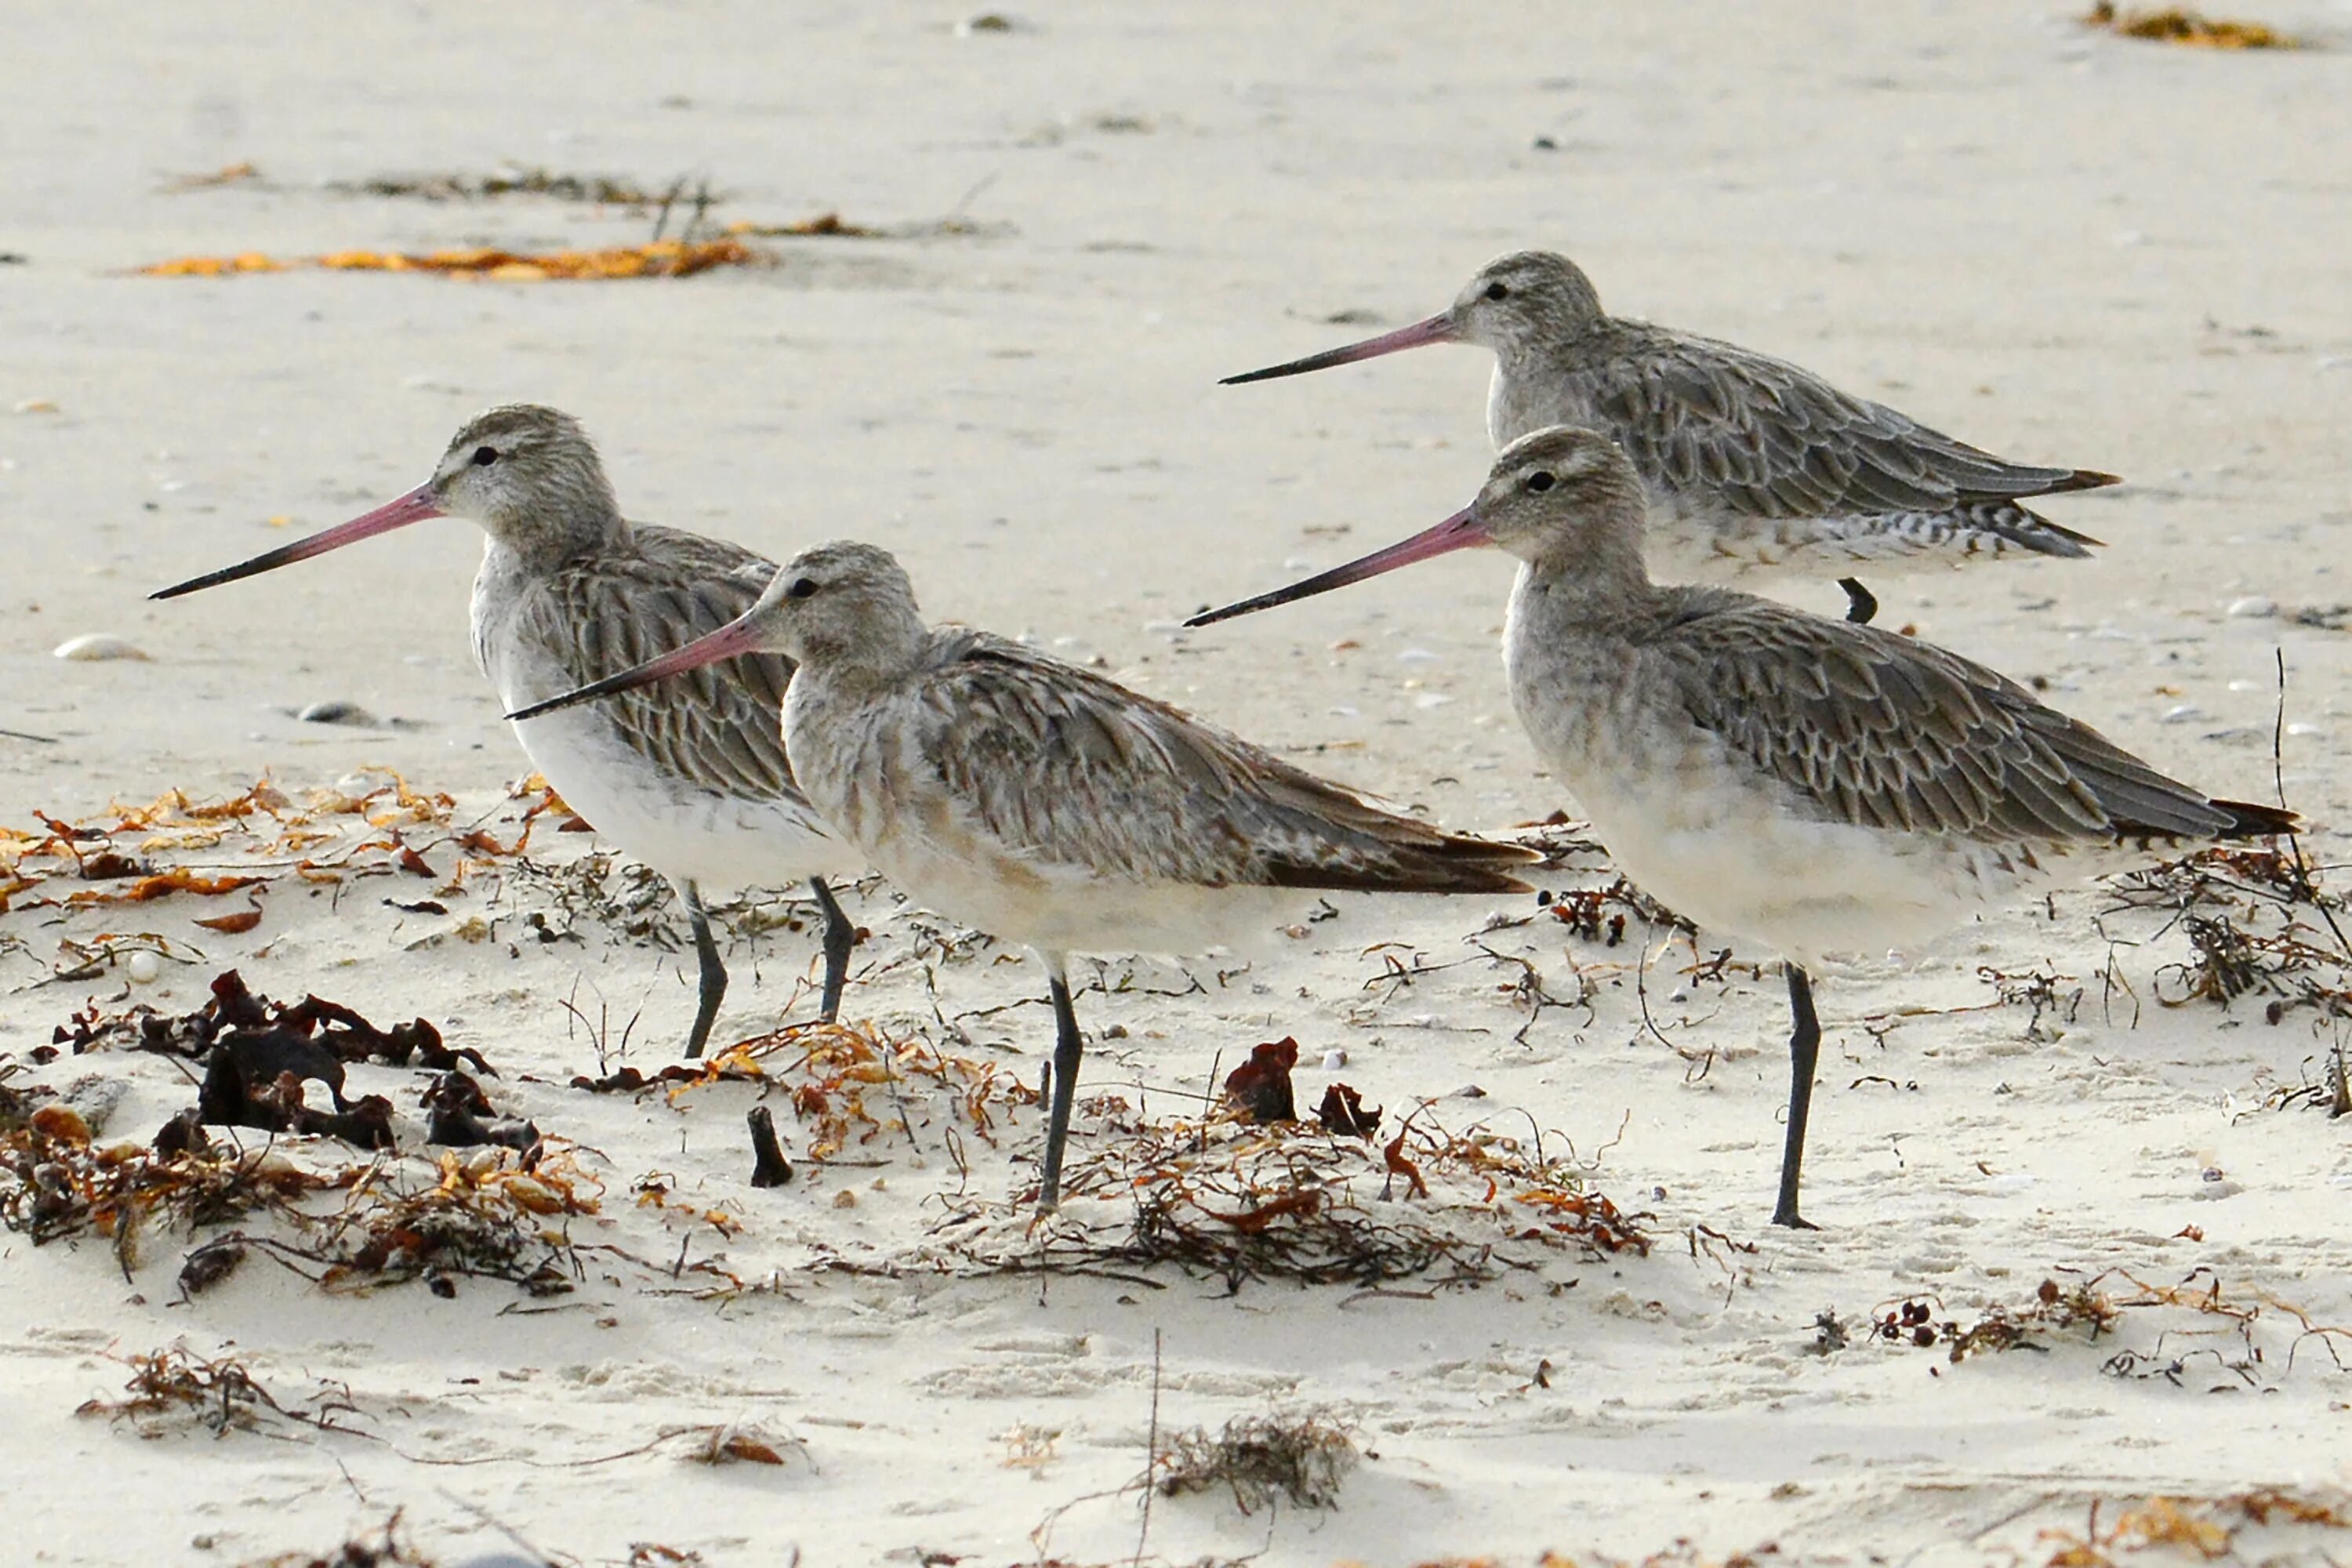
[1718,840]
[686,832]
[1725,856]
[1056,908]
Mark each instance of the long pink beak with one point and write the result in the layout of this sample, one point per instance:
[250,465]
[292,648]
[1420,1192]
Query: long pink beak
[736,639]
[1460,532]
[415,507]
[1436,330]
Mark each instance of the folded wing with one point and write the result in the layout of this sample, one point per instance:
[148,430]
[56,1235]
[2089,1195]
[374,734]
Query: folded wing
[1773,441]
[1063,766]
[1881,731]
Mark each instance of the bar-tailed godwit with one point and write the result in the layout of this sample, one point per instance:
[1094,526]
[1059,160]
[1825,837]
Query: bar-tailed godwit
[1752,465]
[1811,785]
[691,779]
[1047,804]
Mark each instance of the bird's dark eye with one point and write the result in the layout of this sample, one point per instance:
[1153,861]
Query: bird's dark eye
[1540,481]
[485,455]
[802,588]
[1498,290]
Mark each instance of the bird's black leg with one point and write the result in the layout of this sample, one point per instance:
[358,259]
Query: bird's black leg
[1804,1053]
[1861,604]
[840,936]
[1068,1046]
[714,972]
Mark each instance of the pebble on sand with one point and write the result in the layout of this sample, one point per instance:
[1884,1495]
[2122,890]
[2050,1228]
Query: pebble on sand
[335,711]
[92,646]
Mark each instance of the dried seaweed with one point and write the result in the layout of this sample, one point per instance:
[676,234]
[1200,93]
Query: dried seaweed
[386,1547]
[1260,1088]
[2054,1310]
[623,896]
[2178,25]
[219,1394]
[485,1214]
[832,225]
[175,845]
[55,1185]
[2259,923]
[275,1103]
[257,1054]
[602,190]
[824,226]
[2038,988]
[735,1442]
[832,1076]
[1259,1457]
[17,1105]
[460,1116]
[658,258]
[482,1218]
[1242,1204]
[2198,1528]
[237,173]
[1342,1111]
[313,1036]
[2199,1325]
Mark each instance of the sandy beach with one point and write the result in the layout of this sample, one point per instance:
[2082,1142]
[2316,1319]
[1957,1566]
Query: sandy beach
[2083,1289]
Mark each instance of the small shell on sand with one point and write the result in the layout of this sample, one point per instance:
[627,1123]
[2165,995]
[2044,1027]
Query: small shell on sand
[144,967]
[94,646]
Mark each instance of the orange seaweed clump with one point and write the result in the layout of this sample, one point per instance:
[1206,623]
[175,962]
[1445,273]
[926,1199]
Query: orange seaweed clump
[2177,25]
[214,266]
[662,259]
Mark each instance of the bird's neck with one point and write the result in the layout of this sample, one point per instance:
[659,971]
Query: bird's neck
[888,651]
[841,736]
[585,527]
[1602,587]
[1552,352]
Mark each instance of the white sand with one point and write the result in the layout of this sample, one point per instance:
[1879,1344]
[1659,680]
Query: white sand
[2062,246]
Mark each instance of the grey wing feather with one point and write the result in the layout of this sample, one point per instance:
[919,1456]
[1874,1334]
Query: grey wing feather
[719,726]
[1884,731]
[1775,440]
[1075,769]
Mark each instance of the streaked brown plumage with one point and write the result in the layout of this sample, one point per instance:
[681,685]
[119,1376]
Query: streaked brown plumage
[1752,465]
[640,596]
[1811,785]
[1048,805]
[692,779]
